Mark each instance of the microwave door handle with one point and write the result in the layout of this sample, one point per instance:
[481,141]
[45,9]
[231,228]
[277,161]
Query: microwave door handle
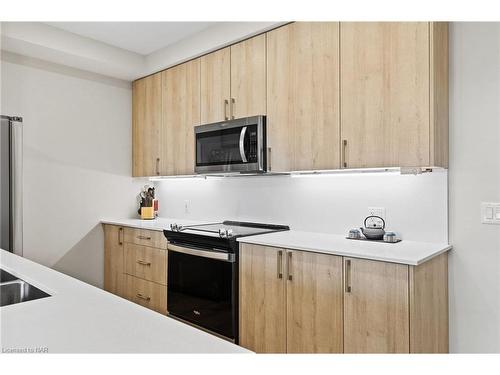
[242,144]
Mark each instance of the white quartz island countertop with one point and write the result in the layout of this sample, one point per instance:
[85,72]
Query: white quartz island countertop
[80,318]
[405,252]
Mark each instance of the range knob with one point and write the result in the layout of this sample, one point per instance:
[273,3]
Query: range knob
[225,233]
[175,227]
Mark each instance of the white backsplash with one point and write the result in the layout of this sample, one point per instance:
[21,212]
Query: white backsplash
[416,206]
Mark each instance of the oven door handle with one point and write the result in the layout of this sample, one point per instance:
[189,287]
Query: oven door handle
[227,257]
[242,144]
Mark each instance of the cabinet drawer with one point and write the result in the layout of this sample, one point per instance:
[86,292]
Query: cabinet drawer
[146,263]
[145,237]
[147,293]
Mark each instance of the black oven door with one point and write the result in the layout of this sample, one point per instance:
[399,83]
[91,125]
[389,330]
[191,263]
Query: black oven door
[202,289]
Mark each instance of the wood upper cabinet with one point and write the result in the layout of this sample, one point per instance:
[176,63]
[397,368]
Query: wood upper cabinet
[215,81]
[290,301]
[394,90]
[314,303]
[376,308]
[233,81]
[303,96]
[181,113]
[114,278]
[248,77]
[262,299]
[146,124]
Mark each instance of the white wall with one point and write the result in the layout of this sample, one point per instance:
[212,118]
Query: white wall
[474,177]
[77,160]
[416,206]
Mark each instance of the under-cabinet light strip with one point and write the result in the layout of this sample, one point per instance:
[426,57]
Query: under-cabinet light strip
[392,170]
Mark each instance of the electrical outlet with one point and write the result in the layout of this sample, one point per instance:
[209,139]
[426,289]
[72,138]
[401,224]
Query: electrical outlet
[377,211]
[187,207]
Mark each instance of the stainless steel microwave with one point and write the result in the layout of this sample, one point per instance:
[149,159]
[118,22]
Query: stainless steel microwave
[231,146]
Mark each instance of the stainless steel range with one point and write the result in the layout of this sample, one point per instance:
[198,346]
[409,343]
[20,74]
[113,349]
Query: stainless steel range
[203,273]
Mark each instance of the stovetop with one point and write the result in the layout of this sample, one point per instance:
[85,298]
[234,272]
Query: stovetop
[228,229]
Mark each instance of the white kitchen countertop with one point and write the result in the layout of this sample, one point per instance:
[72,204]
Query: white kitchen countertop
[80,318]
[158,224]
[404,252]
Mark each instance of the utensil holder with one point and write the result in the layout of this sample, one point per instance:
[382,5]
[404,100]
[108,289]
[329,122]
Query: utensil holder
[147,213]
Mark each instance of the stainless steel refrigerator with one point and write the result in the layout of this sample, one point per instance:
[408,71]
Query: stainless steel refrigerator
[11,189]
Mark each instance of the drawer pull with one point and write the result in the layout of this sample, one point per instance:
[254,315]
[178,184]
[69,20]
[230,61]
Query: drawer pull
[280,264]
[289,266]
[144,238]
[139,295]
[120,236]
[143,263]
[348,287]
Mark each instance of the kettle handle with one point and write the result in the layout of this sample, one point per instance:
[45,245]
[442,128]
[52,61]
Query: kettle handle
[383,221]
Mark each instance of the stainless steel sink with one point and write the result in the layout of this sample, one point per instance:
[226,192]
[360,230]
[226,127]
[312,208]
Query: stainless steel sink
[14,290]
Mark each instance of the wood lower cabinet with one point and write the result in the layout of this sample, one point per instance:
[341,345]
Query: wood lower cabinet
[303,101]
[376,310]
[394,90]
[314,303]
[135,265]
[114,279]
[146,126]
[290,301]
[304,302]
[262,299]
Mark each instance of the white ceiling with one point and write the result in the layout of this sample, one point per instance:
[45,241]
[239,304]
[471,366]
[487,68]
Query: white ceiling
[139,37]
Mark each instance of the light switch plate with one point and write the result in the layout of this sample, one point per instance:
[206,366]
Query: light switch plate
[490,213]
[377,211]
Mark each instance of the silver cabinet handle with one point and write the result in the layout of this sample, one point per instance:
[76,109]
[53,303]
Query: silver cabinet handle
[289,266]
[233,102]
[344,154]
[347,280]
[242,144]
[120,236]
[143,238]
[269,159]
[143,263]
[226,104]
[280,264]
[158,166]
[139,295]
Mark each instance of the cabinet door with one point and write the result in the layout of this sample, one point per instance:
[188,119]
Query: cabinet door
[248,77]
[303,96]
[114,279]
[385,93]
[215,76]
[146,123]
[262,299]
[314,303]
[376,311]
[181,112]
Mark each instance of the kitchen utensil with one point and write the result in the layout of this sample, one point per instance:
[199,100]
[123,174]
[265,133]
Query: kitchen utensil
[390,237]
[354,233]
[373,228]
